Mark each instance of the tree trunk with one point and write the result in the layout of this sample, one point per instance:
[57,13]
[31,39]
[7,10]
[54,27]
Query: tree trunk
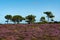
[7,21]
[17,22]
[48,19]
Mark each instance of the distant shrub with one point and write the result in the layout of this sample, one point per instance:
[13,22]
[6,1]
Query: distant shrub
[42,22]
[51,22]
[56,22]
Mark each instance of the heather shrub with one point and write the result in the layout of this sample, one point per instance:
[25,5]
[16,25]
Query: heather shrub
[31,32]
[20,38]
[32,27]
[2,39]
[33,38]
[45,37]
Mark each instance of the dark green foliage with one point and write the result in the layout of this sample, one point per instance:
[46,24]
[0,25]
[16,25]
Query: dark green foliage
[30,19]
[49,15]
[42,19]
[44,22]
[8,17]
[56,22]
[17,18]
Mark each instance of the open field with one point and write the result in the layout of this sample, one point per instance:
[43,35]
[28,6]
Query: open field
[30,32]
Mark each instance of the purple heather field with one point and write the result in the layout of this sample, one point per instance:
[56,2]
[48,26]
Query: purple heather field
[30,32]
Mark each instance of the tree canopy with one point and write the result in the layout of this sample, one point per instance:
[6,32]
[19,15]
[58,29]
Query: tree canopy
[8,17]
[17,18]
[49,15]
[30,19]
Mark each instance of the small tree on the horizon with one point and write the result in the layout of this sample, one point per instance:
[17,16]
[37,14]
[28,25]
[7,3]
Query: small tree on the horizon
[49,15]
[17,18]
[8,17]
[30,19]
[42,19]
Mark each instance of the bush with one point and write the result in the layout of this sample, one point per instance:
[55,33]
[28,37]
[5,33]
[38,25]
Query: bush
[42,22]
[56,22]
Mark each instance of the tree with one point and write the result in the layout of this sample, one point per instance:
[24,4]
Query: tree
[42,19]
[52,20]
[30,19]
[49,15]
[13,20]
[8,17]
[17,18]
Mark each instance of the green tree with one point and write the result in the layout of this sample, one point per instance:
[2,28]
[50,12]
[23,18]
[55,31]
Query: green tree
[52,20]
[8,17]
[42,19]
[17,18]
[13,20]
[49,15]
[30,19]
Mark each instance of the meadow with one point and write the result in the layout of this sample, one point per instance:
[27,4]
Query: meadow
[30,32]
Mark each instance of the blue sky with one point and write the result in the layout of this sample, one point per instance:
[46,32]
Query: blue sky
[27,7]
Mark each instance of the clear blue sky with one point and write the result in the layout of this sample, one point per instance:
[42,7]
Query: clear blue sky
[26,7]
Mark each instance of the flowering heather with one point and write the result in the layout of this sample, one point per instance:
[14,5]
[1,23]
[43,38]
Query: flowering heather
[30,32]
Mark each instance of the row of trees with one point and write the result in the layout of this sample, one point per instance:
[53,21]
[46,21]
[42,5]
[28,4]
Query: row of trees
[29,19]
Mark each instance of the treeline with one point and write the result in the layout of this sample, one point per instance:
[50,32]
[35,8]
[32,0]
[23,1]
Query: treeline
[30,18]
